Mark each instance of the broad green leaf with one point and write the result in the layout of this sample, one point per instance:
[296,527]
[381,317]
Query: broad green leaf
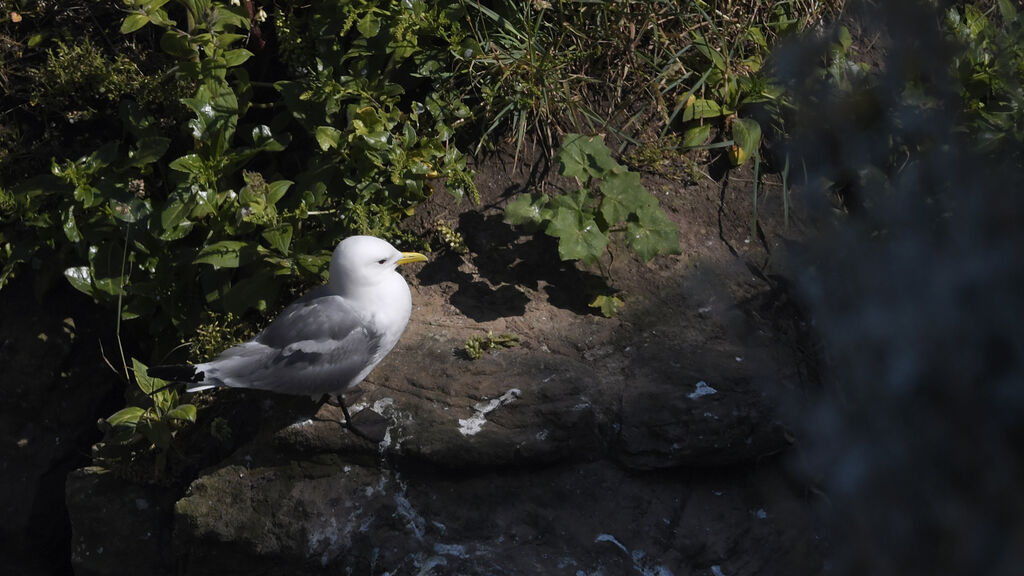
[133,22]
[608,305]
[251,293]
[226,254]
[578,201]
[185,412]
[126,416]
[278,189]
[578,238]
[699,108]
[746,135]
[652,233]
[369,26]
[279,238]
[189,163]
[176,43]
[148,150]
[156,431]
[174,221]
[585,156]
[327,137]
[80,278]
[314,264]
[174,214]
[105,267]
[266,141]
[236,57]
[1008,11]
[525,209]
[132,211]
[702,46]
[147,383]
[696,136]
[70,227]
[623,195]
[845,40]
[87,195]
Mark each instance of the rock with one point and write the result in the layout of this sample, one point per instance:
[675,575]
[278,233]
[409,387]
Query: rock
[118,527]
[332,517]
[594,446]
[54,387]
[671,416]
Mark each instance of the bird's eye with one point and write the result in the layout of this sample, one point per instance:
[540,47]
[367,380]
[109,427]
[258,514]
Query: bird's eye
[382,261]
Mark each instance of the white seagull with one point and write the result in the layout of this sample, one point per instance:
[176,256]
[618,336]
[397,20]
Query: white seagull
[327,341]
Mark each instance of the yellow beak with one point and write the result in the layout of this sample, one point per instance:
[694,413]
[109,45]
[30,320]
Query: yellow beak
[408,257]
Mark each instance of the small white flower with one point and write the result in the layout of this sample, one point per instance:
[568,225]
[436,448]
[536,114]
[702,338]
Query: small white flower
[261,16]
[236,2]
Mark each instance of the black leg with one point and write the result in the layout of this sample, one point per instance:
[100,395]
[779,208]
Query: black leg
[348,417]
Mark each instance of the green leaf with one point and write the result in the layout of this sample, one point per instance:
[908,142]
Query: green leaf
[525,209]
[266,141]
[105,267]
[226,254]
[174,221]
[327,137]
[189,163]
[156,431]
[148,150]
[1008,11]
[652,233]
[279,238]
[608,305]
[278,188]
[700,108]
[696,136]
[702,46]
[578,201]
[147,383]
[70,227]
[746,135]
[132,211]
[176,43]
[128,416]
[81,279]
[623,195]
[185,412]
[585,156]
[578,238]
[236,57]
[369,26]
[251,293]
[133,22]
[845,40]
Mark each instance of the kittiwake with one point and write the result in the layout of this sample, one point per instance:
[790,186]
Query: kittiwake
[327,341]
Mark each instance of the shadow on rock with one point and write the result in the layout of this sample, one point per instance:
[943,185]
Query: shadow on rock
[501,263]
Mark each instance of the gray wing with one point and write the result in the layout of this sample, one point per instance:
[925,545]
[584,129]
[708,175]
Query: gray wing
[319,344]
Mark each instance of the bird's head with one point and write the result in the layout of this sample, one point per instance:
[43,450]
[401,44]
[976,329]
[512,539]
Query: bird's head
[365,262]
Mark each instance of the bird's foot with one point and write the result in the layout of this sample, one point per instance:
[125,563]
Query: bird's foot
[350,425]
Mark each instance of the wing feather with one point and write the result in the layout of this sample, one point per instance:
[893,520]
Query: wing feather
[318,344]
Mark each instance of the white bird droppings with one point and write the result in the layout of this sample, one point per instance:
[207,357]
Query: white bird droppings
[475,423]
[702,390]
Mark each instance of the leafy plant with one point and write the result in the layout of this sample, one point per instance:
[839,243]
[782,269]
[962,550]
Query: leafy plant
[240,198]
[990,69]
[136,431]
[610,199]
[608,304]
[477,345]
